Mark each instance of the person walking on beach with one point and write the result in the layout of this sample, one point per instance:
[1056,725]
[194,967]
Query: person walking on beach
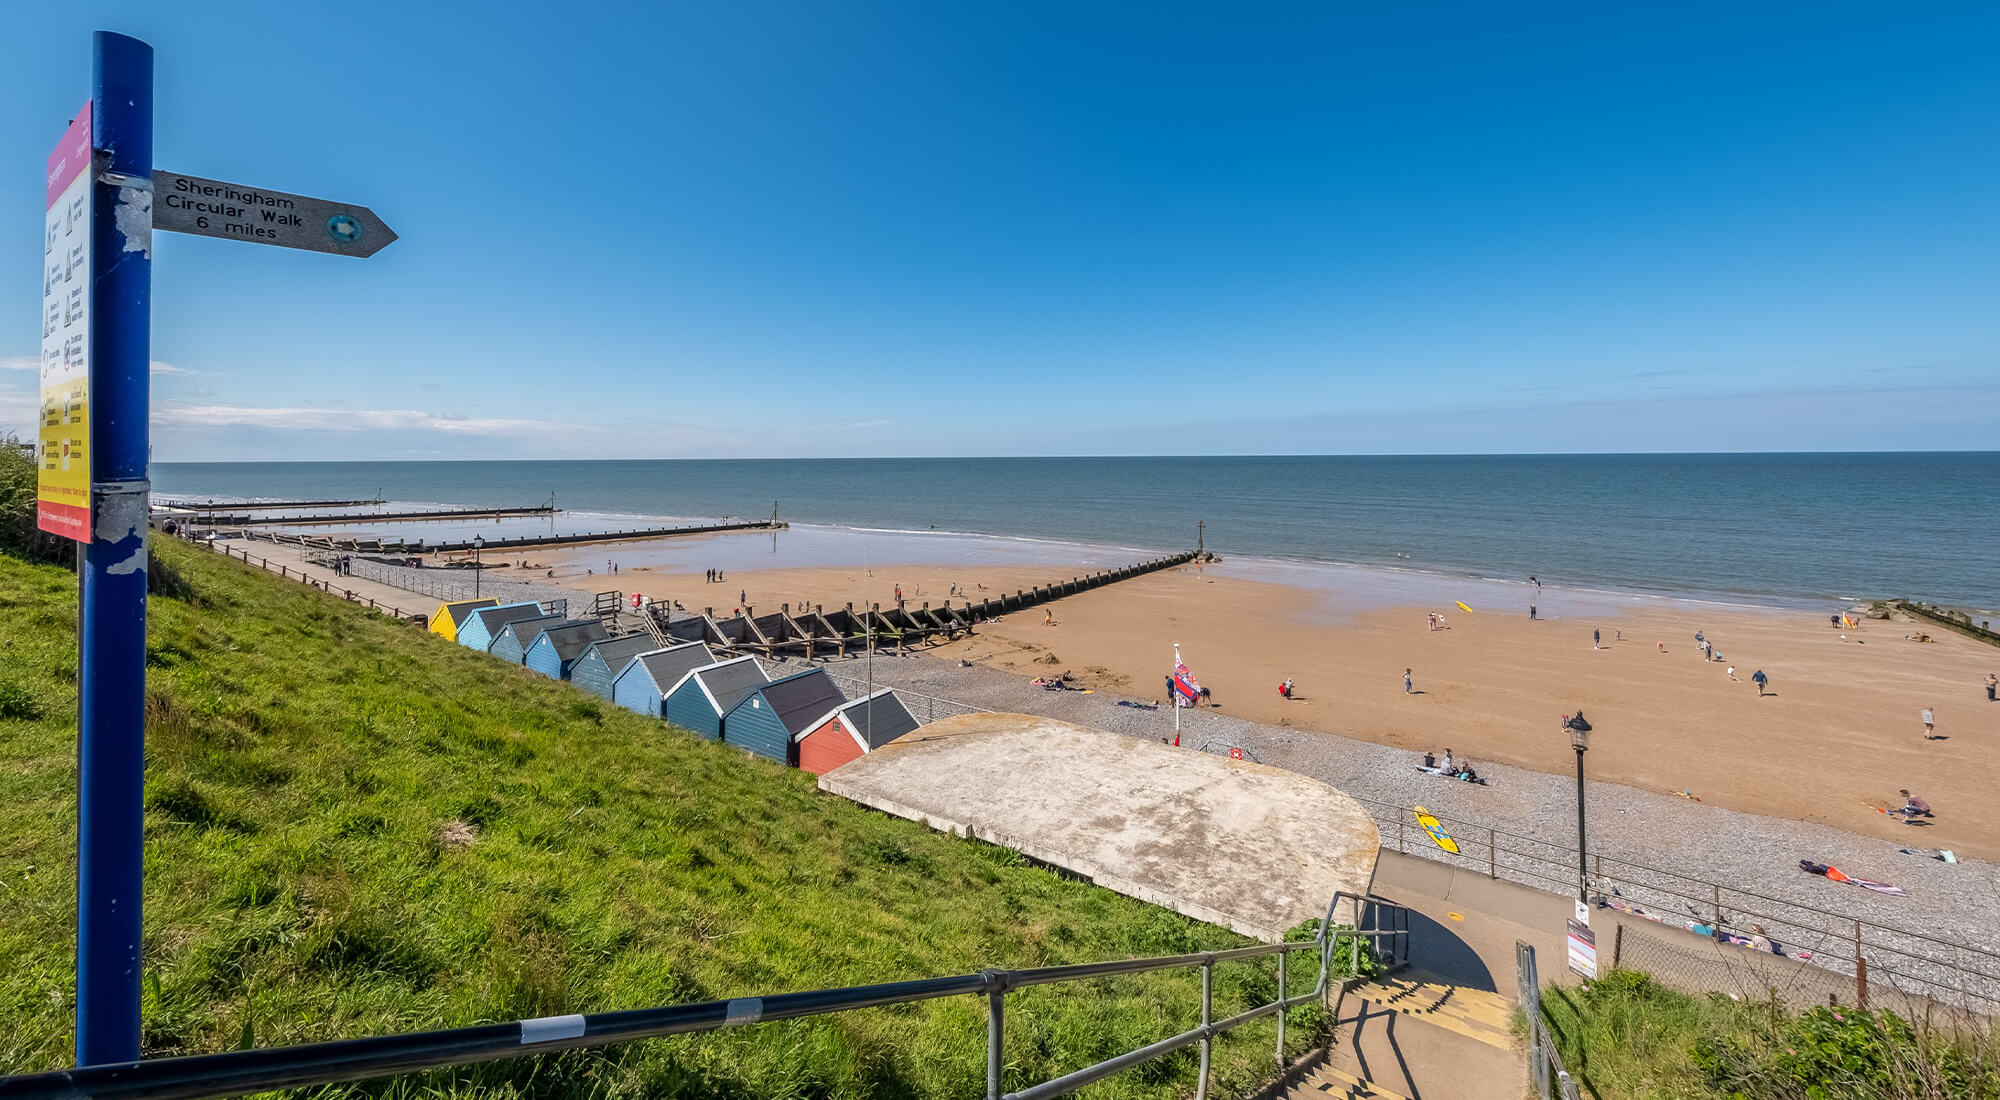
[1596,637]
[1535,598]
[1760,680]
[1992,685]
[1930,725]
[1409,689]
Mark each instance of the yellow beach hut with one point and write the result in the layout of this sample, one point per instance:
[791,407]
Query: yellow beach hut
[448,615]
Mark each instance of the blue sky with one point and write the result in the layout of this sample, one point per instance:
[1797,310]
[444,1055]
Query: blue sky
[912,229]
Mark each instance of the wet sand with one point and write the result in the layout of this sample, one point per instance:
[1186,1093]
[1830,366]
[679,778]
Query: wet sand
[1838,733]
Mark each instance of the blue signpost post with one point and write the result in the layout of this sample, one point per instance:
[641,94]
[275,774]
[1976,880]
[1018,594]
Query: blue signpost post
[111,718]
[96,357]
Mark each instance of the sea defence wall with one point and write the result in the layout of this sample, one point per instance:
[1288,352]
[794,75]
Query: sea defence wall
[815,631]
[211,507]
[215,519]
[420,546]
[1950,620]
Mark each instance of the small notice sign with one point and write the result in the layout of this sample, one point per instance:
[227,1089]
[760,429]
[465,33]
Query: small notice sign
[62,443]
[1582,949]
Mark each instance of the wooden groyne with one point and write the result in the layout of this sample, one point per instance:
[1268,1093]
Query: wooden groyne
[817,632]
[213,520]
[419,546]
[262,506]
[1950,620]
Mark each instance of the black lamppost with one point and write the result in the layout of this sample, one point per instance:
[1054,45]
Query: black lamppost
[479,543]
[1579,739]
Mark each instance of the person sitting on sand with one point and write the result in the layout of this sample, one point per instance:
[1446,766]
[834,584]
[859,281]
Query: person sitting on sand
[1430,759]
[1445,764]
[1913,807]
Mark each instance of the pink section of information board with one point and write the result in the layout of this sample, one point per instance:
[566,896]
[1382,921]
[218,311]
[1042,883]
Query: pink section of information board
[71,155]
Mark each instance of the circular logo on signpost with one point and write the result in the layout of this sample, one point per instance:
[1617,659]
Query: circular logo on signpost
[344,229]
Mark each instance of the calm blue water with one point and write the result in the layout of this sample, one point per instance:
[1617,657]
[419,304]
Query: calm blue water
[1771,527]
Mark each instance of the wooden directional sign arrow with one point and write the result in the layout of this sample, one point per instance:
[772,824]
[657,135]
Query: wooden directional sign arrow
[211,208]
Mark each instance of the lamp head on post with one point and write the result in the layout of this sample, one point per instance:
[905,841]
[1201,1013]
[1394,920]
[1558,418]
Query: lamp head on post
[1579,740]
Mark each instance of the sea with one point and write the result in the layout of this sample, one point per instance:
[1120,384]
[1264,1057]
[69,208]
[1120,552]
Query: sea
[1772,529]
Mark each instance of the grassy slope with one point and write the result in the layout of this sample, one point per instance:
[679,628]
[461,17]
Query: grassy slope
[1627,1035]
[310,764]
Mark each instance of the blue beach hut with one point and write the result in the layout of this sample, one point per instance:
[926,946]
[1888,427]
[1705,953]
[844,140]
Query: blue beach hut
[477,631]
[700,699]
[771,717]
[642,684]
[601,662]
[510,642]
[555,650]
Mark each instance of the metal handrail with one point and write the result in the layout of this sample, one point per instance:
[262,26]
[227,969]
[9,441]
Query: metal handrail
[236,1073]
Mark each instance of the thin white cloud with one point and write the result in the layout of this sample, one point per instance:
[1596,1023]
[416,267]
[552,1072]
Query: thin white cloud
[31,362]
[341,420]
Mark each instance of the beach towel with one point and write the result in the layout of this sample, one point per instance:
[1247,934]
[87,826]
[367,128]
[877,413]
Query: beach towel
[1837,875]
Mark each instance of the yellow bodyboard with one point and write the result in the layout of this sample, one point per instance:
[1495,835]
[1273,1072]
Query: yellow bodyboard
[1436,828]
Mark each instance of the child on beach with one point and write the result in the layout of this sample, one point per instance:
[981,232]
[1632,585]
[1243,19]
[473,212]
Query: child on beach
[1913,807]
[1409,690]
[1930,725]
[1760,680]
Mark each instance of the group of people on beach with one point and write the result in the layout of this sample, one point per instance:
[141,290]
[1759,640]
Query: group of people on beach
[1450,767]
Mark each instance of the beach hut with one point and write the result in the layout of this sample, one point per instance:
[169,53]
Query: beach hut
[478,630]
[769,719]
[511,642]
[701,697]
[555,650]
[853,728]
[643,683]
[601,662]
[446,619]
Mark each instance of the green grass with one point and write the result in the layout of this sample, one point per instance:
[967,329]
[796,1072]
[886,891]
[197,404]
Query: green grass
[354,827]
[1626,1035]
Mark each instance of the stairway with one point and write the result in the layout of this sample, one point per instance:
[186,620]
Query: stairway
[1414,1037]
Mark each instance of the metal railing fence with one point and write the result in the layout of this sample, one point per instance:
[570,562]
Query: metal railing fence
[1545,1064]
[1914,963]
[240,1072]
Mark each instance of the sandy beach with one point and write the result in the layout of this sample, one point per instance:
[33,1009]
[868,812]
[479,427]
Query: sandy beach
[1837,733]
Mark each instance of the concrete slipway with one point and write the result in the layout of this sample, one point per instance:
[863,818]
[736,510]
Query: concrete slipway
[1252,848]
